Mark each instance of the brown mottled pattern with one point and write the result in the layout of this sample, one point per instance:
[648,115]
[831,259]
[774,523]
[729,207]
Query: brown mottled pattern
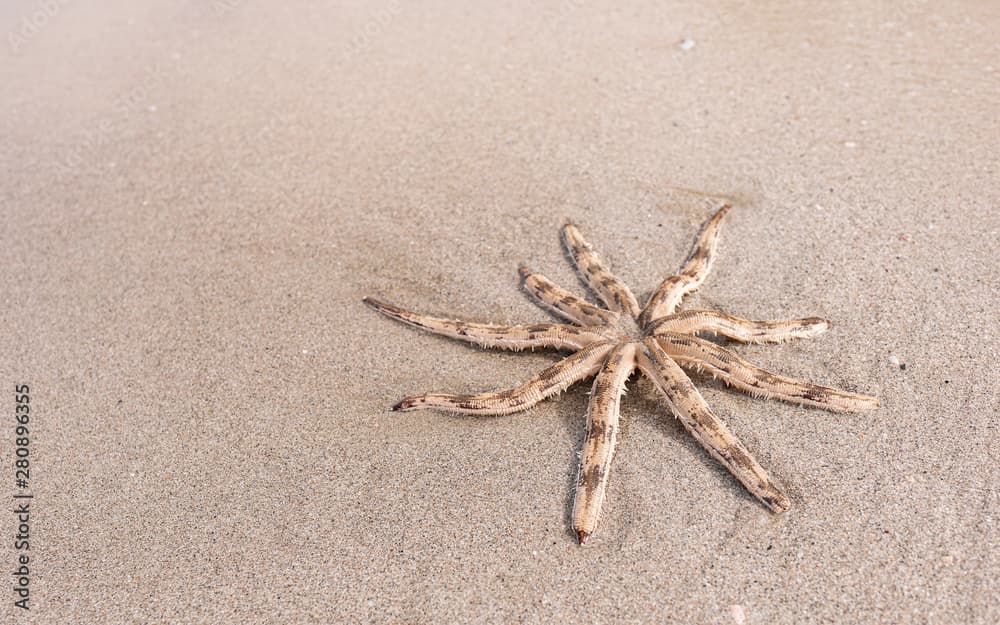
[612,291]
[692,274]
[555,379]
[602,434]
[560,336]
[739,329]
[563,302]
[709,430]
[612,345]
[719,361]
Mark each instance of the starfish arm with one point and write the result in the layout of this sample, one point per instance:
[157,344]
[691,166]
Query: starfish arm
[602,434]
[613,292]
[691,276]
[560,336]
[739,329]
[555,379]
[690,407]
[562,302]
[700,354]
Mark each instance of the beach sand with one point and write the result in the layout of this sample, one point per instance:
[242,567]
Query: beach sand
[196,197]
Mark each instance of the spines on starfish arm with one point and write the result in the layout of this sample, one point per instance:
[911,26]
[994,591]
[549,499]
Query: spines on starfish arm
[694,413]
[603,414]
[702,355]
[692,274]
[613,292]
[551,381]
[739,329]
[557,335]
[562,302]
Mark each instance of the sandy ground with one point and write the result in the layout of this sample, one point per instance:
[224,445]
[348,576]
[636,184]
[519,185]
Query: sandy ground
[197,195]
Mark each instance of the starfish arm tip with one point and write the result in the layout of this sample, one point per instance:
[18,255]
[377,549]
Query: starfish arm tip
[373,303]
[777,501]
[863,402]
[407,403]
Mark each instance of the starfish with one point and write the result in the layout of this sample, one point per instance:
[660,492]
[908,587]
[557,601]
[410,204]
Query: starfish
[614,340]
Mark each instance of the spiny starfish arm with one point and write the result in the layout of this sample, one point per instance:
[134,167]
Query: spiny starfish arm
[562,302]
[739,329]
[700,354]
[560,336]
[602,434]
[613,292]
[690,407]
[691,276]
[555,379]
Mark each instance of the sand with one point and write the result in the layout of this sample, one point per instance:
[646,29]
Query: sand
[196,196]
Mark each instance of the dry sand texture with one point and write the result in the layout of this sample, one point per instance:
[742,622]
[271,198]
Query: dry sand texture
[197,195]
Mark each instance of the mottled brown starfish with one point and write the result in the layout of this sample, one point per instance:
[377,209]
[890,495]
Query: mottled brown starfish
[612,342]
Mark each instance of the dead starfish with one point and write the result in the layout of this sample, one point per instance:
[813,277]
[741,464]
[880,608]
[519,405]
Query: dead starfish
[613,341]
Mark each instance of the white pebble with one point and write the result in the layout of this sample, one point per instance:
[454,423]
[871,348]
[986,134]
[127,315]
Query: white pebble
[687,44]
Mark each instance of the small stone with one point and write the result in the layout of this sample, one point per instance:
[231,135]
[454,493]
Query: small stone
[686,44]
[894,361]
